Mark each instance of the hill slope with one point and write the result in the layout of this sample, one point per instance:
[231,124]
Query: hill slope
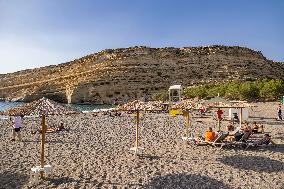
[115,76]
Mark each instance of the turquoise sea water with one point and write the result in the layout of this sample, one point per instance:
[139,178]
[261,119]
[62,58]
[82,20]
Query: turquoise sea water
[79,107]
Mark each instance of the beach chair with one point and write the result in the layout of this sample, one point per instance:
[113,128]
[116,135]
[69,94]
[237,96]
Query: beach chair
[243,142]
[219,140]
[245,137]
[258,144]
[232,133]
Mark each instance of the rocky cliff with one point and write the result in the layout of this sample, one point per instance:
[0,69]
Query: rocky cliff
[119,75]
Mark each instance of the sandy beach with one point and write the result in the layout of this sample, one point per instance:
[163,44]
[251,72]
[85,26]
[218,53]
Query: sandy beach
[94,153]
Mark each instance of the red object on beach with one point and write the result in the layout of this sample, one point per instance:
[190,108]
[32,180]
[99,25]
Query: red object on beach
[219,114]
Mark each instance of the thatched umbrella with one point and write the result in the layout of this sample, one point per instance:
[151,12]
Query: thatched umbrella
[142,106]
[185,106]
[41,107]
[219,103]
[138,106]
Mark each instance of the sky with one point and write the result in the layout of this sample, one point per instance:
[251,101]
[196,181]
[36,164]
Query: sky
[36,33]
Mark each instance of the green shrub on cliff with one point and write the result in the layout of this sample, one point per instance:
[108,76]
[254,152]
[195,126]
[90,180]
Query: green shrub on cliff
[263,89]
[161,96]
[240,90]
[272,89]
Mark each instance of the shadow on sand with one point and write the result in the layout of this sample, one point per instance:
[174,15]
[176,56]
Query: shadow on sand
[12,180]
[184,181]
[255,163]
[61,180]
[149,157]
[277,148]
[65,181]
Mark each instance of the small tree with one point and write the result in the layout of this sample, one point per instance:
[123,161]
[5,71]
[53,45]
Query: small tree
[272,89]
[248,91]
[161,96]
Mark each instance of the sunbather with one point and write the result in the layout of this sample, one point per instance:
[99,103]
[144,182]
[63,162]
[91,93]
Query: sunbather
[255,128]
[51,129]
[245,130]
[230,127]
[210,135]
[264,141]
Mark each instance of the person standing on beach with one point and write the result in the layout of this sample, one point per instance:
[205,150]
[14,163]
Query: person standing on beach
[279,112]
[17,124]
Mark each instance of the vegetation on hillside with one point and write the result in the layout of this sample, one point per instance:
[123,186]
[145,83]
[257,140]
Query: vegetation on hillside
[258,90]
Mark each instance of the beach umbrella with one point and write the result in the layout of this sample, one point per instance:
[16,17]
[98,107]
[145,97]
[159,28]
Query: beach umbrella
[185,106]
[137,106]
[142,106]
[41,107]
[218,102]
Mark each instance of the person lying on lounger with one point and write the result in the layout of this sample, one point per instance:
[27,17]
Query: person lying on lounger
[255,128]
[51,129]
[210,135]
[230,127]
[245,130]
[264,141]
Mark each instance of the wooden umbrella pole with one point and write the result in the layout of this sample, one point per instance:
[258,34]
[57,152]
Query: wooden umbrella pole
[219,124]
[137,125]
[241,117]
[43,128]
[187,124]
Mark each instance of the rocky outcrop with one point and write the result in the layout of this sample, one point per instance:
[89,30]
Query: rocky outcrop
[119,75]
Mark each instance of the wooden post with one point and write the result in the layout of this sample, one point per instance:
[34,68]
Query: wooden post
[241,117]
[218,121]
[187,125]
[137,125]
[43,128]
[170,99]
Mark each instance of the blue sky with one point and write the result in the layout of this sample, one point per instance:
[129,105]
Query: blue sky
[35,33]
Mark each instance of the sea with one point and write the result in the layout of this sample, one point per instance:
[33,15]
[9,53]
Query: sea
[79,107]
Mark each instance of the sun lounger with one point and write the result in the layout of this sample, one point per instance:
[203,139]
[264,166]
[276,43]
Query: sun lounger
[245,137]
[235,131]
[258,144]
[219,140]
[241,143]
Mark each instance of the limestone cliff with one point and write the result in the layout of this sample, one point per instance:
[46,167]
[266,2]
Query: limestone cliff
[115,76]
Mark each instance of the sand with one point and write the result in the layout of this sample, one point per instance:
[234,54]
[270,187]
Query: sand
[95,153]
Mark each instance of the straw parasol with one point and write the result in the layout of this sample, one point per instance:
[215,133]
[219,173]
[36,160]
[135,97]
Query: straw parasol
[217,102]
[142,106]
[41,107]
[138,106]
[184,105]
